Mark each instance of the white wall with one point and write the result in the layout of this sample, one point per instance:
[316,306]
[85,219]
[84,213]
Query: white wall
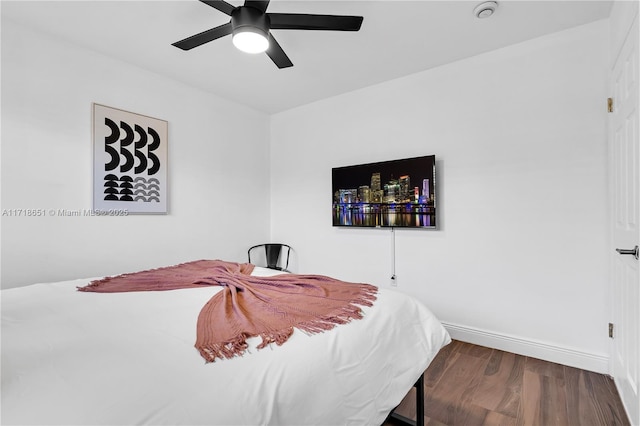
[218,154]
[621,18]
[519,134]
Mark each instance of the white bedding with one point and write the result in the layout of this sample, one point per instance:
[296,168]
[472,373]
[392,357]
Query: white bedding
[82,358]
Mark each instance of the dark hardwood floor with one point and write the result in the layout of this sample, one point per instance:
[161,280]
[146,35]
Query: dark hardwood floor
[473,385]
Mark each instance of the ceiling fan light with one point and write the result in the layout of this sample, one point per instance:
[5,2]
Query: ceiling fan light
[251,40]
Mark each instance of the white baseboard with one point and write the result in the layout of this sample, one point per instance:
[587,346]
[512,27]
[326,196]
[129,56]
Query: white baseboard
[558,354]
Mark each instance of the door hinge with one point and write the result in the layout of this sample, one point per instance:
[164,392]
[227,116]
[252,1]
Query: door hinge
[610,104]
[611,330]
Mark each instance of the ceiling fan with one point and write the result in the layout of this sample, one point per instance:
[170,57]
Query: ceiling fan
[250,27]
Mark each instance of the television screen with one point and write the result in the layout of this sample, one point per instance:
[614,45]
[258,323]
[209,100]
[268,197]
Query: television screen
[397,193]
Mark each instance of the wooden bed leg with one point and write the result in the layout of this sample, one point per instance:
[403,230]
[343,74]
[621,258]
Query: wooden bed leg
[395,417]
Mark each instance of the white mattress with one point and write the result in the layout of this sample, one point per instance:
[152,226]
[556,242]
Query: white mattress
[80,358]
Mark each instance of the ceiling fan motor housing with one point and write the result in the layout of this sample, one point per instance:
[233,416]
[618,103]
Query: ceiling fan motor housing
[245,18]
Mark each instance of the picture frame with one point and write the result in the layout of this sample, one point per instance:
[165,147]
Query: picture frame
[129,162]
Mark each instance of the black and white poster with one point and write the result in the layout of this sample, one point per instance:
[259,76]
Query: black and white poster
[130,161]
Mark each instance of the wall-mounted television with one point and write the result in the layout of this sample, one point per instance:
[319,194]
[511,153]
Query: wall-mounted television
[389,194]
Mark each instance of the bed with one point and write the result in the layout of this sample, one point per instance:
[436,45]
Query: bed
[78,358]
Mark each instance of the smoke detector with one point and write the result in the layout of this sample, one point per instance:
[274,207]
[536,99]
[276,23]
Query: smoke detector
[486,9]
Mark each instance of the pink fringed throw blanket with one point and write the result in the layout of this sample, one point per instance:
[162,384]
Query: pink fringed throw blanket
[249,306]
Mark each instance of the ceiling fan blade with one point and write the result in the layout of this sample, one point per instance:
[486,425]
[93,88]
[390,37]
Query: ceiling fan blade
[204,37]
[277,55]
[301,21]
[260,5]
[221,5]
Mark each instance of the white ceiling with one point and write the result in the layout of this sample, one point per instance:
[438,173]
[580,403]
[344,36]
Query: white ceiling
[397,38]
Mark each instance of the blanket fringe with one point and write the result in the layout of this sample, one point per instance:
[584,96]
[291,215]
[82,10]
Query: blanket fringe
[277,337]
[224,350]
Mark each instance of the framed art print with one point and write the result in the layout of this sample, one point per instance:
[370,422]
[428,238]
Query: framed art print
[129,161]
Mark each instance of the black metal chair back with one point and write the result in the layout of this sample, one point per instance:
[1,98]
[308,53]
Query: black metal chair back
[276,256]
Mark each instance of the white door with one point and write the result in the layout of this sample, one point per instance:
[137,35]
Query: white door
[625,161]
